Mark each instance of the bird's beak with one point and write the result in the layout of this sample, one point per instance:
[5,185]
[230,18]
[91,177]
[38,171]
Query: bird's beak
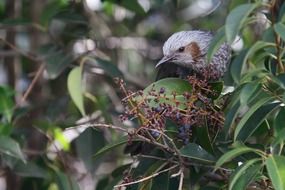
[164,60]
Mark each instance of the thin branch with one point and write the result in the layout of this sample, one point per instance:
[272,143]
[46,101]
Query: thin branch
[33,83]
[109,126]
[146,178]
[181,179]
[26,54]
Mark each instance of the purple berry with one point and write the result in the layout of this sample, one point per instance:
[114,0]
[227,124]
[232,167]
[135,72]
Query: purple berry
[162,90]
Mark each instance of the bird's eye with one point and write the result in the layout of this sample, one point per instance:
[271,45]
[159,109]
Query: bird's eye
[181,49]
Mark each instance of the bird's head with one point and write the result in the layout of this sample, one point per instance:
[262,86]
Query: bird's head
[186,48]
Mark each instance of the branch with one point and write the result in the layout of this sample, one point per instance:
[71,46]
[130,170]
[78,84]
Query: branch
[146,178]
[31,86]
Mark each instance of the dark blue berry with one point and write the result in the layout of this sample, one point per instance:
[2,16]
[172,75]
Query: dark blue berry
[155,134]
[187,127]
[162,90]
[186,141]
[158,109]
[181,129]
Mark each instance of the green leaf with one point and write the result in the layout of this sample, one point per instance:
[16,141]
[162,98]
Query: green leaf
[230,119]
[29,169]
[111,147]
[75,88]
[249,113]
[255,121]
[281,12]
[170,85]
[276,169]
[51,8]
[56,59]
[280,28]
[216,43]
[237,151]
[10,147]
[248,176]
[236,19]
[237,177]
[279,121]
[256,47]
[111,69]
[119,171]
[237,65]
[87,144]
[248,91]
[6,104]
[196,152]
[203,137]
[65,182]
[160,182]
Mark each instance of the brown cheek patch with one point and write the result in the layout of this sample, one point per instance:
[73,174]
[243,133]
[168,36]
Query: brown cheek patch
[194,50]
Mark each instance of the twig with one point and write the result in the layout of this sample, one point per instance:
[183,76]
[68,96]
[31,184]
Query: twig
[157,158]
[109,126]
[146,178]
[181,179]
[31,86]
[26,54]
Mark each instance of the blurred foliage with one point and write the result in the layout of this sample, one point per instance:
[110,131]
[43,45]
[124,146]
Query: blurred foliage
[61,111]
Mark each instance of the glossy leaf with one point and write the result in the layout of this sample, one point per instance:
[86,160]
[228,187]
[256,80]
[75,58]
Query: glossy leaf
[254,121]
[87,144]
[203,138]
[10,147]
[248,91]
[161,182]
[280,28]
[249,113]
[237,176]
[237,65]
[169,86]
[248,176]
[216,43]
[111,147]
[279,121]
[281,16]
[65,182]
[236,19]
[276,169]
[108,67]
[29,169]
[75,88]
[256,47]
[196,152]
[230,119]
[237,151]
[56,59]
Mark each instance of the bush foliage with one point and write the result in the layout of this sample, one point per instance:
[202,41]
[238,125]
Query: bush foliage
[78,91]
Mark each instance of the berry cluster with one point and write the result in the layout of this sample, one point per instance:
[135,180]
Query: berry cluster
[154,107]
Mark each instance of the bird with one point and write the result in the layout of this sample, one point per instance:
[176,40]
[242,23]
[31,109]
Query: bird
[184,54]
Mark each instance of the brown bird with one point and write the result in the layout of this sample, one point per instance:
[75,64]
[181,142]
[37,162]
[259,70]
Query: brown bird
[185,54]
